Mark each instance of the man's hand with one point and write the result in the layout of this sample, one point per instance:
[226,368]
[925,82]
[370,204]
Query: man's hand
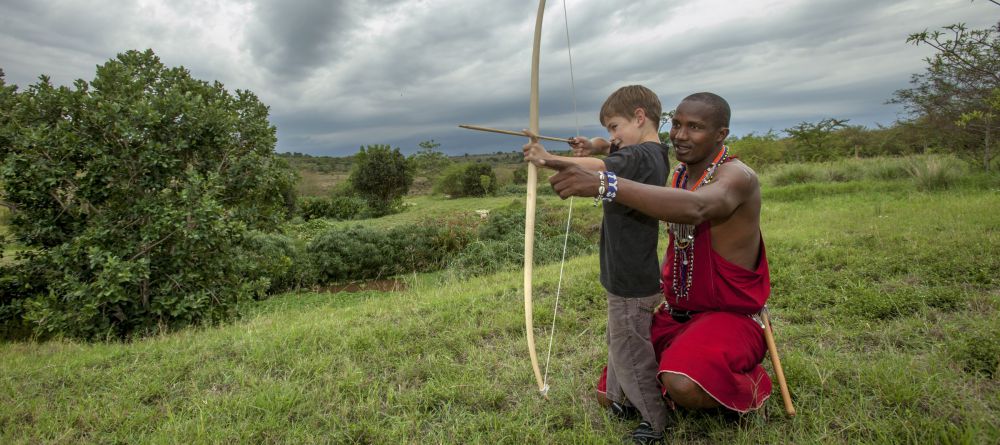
[573,180]
[534,152]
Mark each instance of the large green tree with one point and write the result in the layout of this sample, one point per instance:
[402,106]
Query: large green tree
[382,176]
[957,95]
[133,193]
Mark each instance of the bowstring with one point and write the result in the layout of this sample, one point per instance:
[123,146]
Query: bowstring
[569,216]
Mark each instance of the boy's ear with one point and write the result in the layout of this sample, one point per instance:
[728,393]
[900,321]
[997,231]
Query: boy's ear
[640,116]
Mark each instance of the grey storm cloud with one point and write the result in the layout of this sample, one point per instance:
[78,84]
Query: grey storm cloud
[290,39]
[341,74]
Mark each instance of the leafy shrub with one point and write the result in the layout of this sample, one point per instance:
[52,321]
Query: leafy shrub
[520,174]
[501,241]
[382,177]
[363,253]
[467,179]
[761,152]
[16,285]
[134,192]
[336,207]
[513,189]
[279,260]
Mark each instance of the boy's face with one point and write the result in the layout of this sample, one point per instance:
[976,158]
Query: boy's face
[694,133]
[624,131]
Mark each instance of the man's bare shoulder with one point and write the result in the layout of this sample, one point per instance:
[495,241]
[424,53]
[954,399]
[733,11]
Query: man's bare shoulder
[738,174]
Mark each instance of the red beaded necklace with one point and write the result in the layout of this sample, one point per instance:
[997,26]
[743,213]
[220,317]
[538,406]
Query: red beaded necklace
[683,266]
[681,173]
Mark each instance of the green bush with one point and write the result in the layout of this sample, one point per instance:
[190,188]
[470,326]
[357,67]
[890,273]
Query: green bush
[16,286]
[359,252]
[467,179]
[382,176]
[501,241]
[760,152]
[336,207]
[279,260]
[134,192]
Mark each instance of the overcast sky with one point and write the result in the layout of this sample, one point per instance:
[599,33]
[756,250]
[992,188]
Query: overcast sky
[341,74]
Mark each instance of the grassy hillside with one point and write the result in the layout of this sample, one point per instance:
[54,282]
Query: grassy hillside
[886,304]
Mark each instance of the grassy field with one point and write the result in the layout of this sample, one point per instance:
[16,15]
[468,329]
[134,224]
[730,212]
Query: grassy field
[886,305]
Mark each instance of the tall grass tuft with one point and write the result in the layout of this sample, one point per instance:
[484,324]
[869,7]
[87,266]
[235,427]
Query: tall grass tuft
[935,172]
[789,174]
[932,172]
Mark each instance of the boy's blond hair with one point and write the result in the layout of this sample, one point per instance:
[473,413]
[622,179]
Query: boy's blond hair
[624,101]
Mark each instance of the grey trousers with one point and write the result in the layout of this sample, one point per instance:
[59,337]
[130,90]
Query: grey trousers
[632,365]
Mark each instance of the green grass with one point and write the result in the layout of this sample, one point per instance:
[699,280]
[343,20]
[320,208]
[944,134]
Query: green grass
[886,304]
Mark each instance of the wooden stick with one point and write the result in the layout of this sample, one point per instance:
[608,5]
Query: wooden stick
[772,350]
[512,133]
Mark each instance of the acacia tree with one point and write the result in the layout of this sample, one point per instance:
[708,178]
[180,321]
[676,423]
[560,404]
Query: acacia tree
[814,140]
[132,194]
[428,161]
[381,176]
[957,94]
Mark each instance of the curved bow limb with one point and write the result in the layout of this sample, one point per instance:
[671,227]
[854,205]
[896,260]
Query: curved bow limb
[529,208]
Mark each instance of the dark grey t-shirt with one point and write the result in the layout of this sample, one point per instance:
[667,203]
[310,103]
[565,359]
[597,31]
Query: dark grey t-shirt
[630,264]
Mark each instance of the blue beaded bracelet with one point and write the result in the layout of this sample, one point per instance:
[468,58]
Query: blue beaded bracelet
[612,189]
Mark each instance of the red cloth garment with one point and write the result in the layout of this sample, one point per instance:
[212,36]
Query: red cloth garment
[717,284]
[721,347]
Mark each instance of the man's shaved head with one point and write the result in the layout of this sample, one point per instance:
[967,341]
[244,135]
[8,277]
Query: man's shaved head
[718,105]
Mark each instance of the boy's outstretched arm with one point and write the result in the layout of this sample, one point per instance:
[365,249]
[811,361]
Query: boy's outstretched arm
[590,147]
[536,154]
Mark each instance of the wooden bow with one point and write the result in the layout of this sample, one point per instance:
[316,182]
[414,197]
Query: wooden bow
[529,207]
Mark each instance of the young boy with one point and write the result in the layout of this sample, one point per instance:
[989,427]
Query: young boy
[630,270]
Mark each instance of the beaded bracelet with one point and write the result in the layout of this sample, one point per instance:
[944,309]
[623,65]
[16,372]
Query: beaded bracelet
[600,188]
[608,188]
[612,190]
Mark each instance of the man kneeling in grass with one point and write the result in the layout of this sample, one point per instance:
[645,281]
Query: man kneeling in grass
[708,341]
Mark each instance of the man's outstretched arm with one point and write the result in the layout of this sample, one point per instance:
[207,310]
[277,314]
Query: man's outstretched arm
[733,185]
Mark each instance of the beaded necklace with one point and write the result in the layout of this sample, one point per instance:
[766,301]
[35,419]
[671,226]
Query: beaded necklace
[684,233]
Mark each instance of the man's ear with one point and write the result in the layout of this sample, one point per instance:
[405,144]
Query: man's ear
[723,134]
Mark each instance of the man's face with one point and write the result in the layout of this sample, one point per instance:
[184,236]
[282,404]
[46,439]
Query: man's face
[623,131]
[693,132]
